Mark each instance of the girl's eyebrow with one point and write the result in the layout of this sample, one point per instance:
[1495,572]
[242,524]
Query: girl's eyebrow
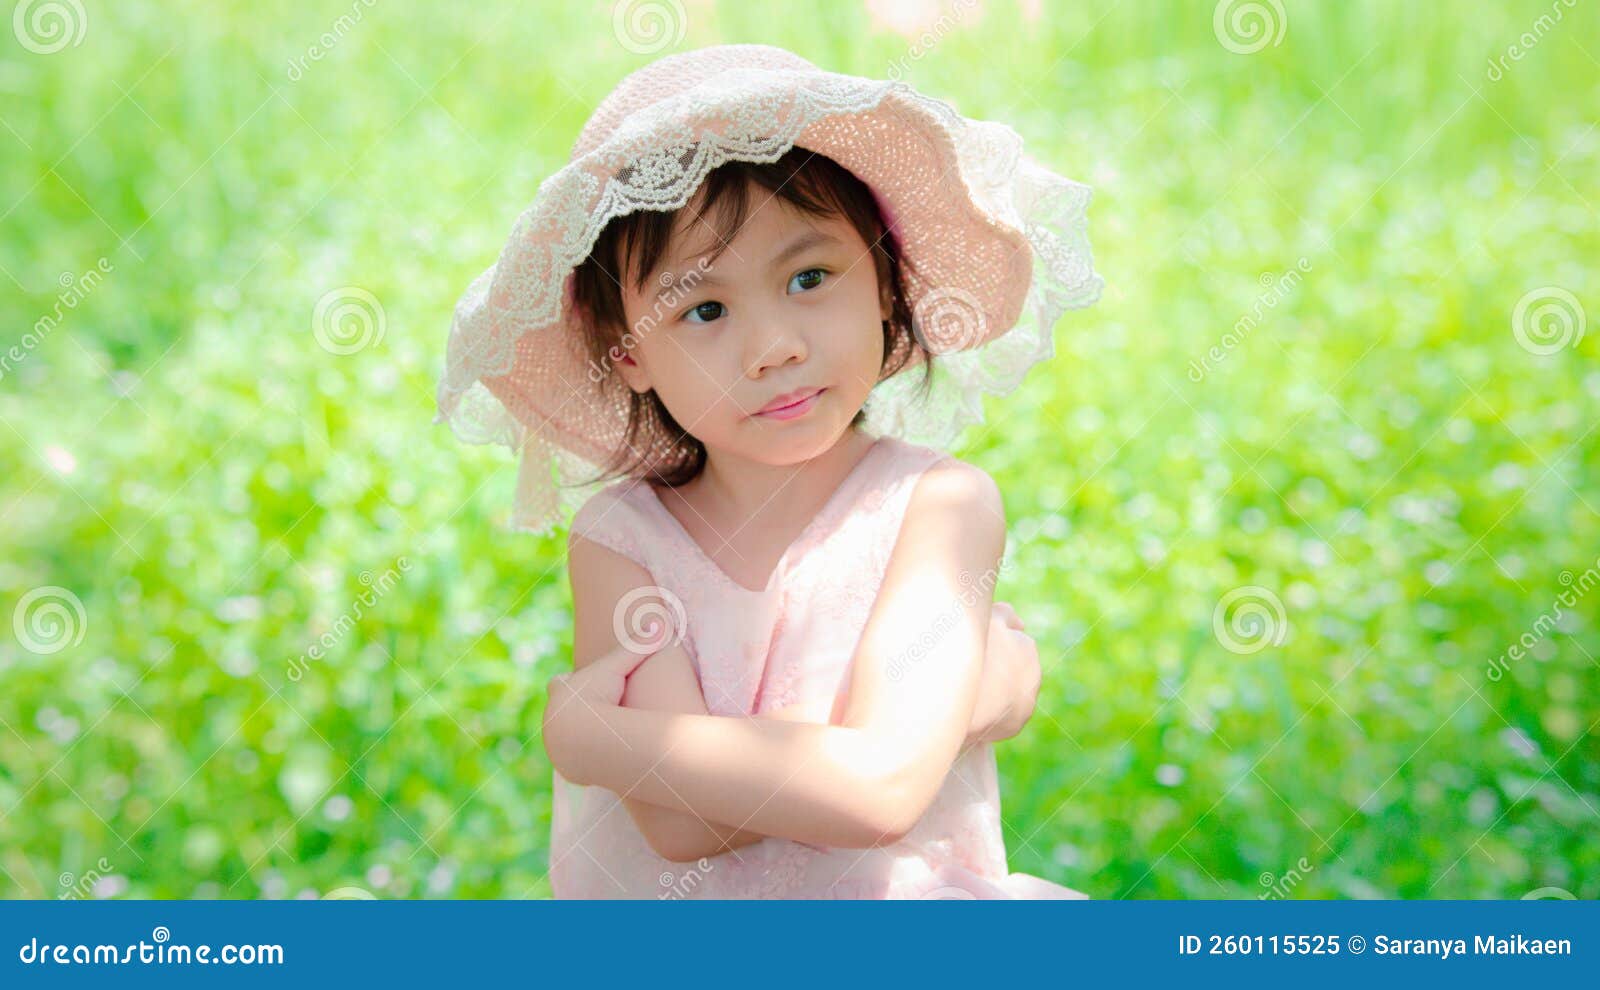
[811,238]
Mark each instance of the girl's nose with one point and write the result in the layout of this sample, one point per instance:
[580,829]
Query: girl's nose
[771,343]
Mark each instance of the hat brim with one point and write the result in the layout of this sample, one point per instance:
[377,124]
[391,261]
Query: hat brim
[956,193]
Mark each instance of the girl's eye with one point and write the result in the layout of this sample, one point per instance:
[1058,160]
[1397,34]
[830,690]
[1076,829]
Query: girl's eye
[812,276]
[708,311]
[704,311]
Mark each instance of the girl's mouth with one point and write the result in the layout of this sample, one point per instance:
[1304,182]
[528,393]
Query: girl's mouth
[794,409]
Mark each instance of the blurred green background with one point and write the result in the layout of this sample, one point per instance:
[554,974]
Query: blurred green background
[1271,582]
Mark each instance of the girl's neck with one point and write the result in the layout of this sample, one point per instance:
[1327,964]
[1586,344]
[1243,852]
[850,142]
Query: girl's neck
[734,487]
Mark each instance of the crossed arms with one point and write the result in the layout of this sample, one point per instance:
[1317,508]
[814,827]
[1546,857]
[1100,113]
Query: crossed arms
[635,722]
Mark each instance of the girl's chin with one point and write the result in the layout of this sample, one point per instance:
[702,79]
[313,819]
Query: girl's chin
[785,443]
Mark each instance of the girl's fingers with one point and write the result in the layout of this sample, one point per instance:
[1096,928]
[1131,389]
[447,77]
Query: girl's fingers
[605,678]
[623,661]
[1008,614]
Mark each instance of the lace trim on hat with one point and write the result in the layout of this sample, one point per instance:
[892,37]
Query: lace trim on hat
[524,290]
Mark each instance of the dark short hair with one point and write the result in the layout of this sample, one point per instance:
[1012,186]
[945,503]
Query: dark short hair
[631,246]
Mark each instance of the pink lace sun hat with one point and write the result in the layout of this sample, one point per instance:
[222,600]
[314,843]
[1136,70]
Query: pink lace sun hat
[997,248]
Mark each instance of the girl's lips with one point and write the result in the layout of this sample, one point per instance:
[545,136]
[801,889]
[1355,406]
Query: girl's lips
[796,409]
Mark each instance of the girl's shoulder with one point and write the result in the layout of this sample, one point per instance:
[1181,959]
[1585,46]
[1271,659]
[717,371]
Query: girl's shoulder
[924,484]
[613,518]
[913,463]
[905,469]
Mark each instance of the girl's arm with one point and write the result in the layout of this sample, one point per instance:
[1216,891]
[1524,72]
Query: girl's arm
[602,583]
[913,689]
[602,580]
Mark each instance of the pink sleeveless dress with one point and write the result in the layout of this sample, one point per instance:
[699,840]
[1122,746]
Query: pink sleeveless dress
[760,651]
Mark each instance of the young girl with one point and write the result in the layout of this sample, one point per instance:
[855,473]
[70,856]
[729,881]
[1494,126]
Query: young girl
[789,667]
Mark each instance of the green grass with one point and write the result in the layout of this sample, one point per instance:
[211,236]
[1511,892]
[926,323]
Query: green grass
[1379,452]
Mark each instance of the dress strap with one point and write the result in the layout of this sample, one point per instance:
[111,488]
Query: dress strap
[872,509]
[897,477]
[611,519]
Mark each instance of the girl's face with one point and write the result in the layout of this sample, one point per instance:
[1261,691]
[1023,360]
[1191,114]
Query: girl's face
[791,305]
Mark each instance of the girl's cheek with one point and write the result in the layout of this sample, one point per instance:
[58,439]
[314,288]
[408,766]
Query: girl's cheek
[692,392]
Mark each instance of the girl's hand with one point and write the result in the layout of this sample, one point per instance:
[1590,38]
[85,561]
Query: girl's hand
[575,695]
[1010,683]
[603,681]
